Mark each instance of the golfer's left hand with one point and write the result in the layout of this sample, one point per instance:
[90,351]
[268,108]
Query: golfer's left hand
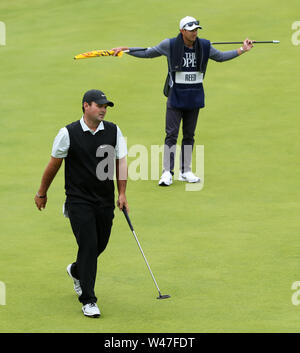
[122,202]
[247,45]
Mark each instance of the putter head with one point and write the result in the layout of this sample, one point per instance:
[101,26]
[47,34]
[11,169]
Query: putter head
[163,296]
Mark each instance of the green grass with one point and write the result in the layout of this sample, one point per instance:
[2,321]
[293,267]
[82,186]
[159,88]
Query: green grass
[227,254]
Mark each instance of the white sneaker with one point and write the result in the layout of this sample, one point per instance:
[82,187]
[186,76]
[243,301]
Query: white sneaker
[91,310]
[188,177]
[77,287]
[165,179]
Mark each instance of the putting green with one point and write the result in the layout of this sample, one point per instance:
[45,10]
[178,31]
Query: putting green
[228,254]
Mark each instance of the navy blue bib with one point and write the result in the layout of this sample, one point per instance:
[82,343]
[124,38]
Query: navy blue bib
[187,91]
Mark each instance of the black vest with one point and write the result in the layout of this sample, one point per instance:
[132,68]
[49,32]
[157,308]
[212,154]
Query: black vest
[85,155]
[187,96]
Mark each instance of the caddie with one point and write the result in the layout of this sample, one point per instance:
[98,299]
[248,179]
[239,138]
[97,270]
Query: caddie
[187,57]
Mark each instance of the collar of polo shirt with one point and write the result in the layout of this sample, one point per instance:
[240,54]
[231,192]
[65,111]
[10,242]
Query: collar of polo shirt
[86,128]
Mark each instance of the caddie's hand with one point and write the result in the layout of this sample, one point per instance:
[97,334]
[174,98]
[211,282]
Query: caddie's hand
[40,201]
[247,45]
[117,50]
[122,202]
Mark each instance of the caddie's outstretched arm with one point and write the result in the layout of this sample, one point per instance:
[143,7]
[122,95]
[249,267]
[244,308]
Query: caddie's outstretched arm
[146,53]
[221,56]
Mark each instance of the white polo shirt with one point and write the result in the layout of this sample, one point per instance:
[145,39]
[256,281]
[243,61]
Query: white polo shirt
[61,142]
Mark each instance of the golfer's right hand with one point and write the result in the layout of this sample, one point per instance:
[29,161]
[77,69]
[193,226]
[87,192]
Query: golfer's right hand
[122,202]
[117,50]
[40,202]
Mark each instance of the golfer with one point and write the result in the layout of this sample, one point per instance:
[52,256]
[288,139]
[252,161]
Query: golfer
[187,57]
[90,147]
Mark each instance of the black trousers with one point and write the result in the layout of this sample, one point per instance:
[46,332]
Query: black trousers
[189,122]
[91,225]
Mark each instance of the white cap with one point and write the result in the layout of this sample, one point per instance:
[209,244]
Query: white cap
[189,23]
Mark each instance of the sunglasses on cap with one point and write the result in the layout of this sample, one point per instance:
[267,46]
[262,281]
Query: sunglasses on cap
[189,24]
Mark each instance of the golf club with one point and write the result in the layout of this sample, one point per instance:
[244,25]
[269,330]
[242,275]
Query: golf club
[254,41]
[133,232]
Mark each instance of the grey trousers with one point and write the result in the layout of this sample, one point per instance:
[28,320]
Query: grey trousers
[189,122]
